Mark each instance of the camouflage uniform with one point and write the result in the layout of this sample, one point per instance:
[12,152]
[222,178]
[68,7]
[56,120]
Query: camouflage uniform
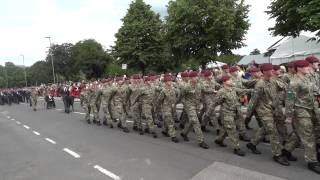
[136,105]
[300,106]
[191,95]
[34,97]
[207,95]
[167,100]
[123,92]
[264,102]
[85,104]
[107,94]
[95,101]
[228,98]
[147,98]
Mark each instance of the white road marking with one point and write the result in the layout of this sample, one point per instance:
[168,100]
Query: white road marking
[12,119]
[8,117]
[79,113]
[51,141]
[72,153]
[106,172]
[36,133]
[59,109]
[18,122]
[25,126]
[130,121]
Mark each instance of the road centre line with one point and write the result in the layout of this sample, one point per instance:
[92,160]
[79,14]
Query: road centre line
[18,122]
[36,133]
[72,153]
[51,141]
[106,172]
[25,126]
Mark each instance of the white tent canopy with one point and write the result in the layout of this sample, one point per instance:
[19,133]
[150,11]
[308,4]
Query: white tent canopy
[258,59]
[214,64]
[294,49]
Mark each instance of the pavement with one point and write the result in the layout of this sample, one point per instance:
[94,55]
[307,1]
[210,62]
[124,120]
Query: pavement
[50,144]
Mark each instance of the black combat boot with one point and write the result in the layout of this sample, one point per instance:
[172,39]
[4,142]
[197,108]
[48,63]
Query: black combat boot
[111,126]
[239,152]
[253,148]
[120,125]
[88,121]
[204,129]
[175,139]
[281,160]
[220,143]
[126,130]
[314,166]
[146,130]
[154,135]
[135,128]
[98,123]
[94,121]
[181,126]
[105,123]
[185,137]
[165,133]
[289,155]
[204,145]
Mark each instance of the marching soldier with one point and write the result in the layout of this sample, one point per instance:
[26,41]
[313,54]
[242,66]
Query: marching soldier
[34,98]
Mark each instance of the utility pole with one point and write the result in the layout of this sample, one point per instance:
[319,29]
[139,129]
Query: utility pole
[54,77]
[24,68]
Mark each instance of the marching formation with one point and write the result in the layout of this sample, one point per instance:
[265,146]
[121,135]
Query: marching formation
[285,106]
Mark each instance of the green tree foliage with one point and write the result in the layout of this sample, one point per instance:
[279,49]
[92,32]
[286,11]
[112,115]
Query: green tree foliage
[15,75]
[62,59]
[229,59]
[200,29]
[139,43]
[89,57]
[294,16]
[255,52]
[40,72]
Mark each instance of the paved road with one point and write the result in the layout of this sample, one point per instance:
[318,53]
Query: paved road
[49,144]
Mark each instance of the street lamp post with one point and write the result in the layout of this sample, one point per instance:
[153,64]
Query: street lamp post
[54,77]
[24,68]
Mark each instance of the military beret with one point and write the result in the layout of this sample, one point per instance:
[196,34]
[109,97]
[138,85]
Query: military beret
[119,78]
[266,67]
[233,69]
[312,59]
[254,69]
[184,74]
[276,67]
[136,76]
[301,63]
[167,78]
[147,78]
[225,66]
[206,73]
[290,65]
[193,74]
[152,74]
[224,78]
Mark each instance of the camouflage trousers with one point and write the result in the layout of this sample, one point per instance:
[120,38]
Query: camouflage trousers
[106,110]
[123,115]
[34,102]
[240,122]
[304,133]
[229,129]
[193,122]
[316,125]
[168,120]
[210,115]
[136,114]
[147,113]
[279,119]
[95,111]
[87,110]
[268,128]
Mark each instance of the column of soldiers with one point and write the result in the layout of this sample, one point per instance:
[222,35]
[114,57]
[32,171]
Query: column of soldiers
[279,102]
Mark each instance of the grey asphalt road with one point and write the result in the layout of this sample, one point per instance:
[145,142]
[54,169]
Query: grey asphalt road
[50,144]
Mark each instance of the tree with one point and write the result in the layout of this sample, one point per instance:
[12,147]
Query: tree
[90,58]
[255,52]
[15,75]
[139,43]
[294,16]
[62,55]
[39,72]
[200,29]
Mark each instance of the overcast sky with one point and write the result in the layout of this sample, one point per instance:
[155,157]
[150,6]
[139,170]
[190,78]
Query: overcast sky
[25,23]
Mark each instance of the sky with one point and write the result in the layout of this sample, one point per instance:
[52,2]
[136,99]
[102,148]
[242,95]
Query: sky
[24,24]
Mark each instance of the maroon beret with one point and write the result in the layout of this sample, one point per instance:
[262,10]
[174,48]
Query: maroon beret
[225,66]
[276,67]
[184,74]
[290,65]
[225,78]
[312,59]
[152,74]
[301,63]
[193,74]
[136,76]
[266,67]
[233,69]
[167,78]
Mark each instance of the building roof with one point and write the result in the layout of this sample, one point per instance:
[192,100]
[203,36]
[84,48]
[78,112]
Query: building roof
[258,59]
